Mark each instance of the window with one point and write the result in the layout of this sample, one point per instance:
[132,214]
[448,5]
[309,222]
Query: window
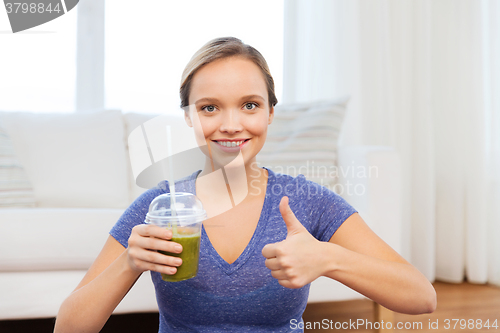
[37,66]
[149,43]
[146,49]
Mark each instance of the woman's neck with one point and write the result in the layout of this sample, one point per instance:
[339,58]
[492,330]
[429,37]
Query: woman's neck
[237,178]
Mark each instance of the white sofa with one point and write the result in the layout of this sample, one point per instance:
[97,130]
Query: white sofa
[82,178]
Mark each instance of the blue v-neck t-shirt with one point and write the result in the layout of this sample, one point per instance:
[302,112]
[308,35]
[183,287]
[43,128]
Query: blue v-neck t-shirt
[241,296]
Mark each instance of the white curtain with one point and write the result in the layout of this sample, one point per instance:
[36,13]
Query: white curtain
[424,77]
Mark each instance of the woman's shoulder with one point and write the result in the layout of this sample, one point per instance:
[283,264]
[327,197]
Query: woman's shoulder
[303,191]
[295,185]
[186,184]
[319,209]
[144,199]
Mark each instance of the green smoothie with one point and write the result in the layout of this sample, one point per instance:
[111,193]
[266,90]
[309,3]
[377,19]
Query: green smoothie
[189,255]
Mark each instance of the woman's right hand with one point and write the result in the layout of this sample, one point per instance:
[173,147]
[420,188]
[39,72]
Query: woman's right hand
[143,244]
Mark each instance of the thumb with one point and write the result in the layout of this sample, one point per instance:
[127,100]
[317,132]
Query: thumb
[293,225]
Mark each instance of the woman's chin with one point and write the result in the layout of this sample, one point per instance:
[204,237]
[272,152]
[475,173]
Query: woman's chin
[231,161]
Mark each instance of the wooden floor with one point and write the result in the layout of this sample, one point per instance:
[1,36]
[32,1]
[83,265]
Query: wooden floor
[461,302]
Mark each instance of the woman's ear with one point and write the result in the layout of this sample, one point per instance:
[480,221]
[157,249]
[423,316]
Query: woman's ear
[188,119]
[271,115]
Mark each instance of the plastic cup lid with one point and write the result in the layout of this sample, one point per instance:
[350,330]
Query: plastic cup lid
[188,209]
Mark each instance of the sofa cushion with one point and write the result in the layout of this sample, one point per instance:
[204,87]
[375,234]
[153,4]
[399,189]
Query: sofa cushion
[28,295]
[72,160]
[44,239]
[303,139]
[15,187]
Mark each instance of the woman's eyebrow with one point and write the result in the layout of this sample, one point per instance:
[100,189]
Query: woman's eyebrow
[206,99]
[252,97]
[215,100]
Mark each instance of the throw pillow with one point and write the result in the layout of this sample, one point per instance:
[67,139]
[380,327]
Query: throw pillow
[303,139]
[15,188]
[74,160]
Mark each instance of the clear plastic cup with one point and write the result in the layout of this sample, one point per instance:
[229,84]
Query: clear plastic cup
[185,221]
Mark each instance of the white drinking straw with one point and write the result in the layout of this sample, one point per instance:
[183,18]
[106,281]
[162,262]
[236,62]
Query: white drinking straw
[172,180]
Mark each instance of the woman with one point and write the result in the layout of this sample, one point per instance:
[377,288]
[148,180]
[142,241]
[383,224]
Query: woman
[257,255]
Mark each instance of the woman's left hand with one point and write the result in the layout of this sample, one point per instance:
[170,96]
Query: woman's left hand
[297,260]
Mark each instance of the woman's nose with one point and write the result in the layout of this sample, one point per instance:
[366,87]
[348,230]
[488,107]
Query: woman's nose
[231,122]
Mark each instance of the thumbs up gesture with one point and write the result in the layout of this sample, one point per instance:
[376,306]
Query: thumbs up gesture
[297,260]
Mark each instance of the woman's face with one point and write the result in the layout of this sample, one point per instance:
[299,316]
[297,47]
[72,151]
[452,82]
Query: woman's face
[229,109]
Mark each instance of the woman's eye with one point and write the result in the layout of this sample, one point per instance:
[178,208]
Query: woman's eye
[208,108]
[250,106]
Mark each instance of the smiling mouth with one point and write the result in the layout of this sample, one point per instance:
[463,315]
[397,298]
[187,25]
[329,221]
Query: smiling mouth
[231,144]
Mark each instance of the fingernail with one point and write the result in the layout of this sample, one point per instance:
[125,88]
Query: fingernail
[178,261]
[178,248]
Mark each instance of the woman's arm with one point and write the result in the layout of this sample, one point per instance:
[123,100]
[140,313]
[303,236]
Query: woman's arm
[354,256]
[112,275]
[364,262]
[107,281]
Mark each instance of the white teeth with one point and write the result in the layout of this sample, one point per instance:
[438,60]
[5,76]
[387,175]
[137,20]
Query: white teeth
[230,143]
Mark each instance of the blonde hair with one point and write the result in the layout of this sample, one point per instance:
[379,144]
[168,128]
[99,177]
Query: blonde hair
[220,48]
